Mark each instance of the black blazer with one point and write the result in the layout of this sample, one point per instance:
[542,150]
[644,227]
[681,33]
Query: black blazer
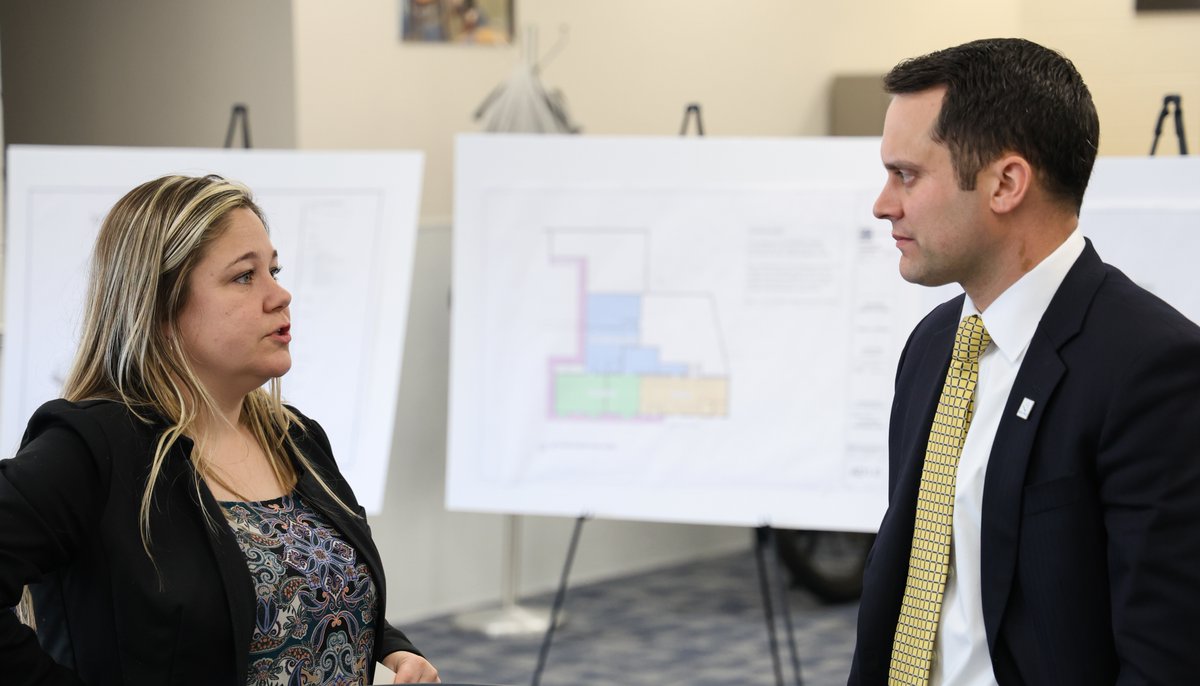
[107,613]
[1091,506]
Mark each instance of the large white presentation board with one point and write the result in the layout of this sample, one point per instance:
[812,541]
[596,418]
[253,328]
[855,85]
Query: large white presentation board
[1143,216]
[344,224]
[706,330]
[673,329]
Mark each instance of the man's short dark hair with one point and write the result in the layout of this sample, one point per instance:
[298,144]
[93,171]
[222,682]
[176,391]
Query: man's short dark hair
[1009,95]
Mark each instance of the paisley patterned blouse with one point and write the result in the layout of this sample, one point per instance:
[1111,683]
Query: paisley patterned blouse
[315,614]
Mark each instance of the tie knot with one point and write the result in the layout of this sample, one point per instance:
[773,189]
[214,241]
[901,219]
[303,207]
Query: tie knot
[971,339]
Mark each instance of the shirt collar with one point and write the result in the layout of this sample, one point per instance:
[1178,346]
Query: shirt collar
[1013,317]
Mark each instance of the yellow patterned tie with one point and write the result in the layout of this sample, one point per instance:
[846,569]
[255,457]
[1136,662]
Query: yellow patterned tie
[929,561]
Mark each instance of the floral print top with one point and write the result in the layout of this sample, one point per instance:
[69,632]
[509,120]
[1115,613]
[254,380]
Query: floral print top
[315,613]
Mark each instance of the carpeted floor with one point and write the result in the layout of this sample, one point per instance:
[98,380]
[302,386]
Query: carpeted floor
[701,625]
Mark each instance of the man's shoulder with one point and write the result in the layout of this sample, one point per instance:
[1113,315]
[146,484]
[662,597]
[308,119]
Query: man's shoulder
[1097,308]
[1127,310]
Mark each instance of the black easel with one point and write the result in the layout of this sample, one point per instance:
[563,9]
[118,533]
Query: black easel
[765,541]
[764,536]
[240,112]
[560,599]
[1169,100]
[692,109]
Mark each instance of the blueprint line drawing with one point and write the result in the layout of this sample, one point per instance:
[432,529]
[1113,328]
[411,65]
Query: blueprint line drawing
[624,368]
[676,330]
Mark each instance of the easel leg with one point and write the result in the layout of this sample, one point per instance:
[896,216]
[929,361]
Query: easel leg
[764,538]
[559,600]
[761,534]
[785,609]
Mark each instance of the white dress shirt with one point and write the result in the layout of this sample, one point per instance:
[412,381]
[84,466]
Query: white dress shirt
[961,655]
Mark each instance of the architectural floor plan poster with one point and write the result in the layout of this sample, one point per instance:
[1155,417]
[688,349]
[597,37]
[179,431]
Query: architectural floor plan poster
[707,330]
[345,228]
[674,329]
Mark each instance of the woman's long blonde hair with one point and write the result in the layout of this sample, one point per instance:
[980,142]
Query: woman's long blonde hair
[130,349]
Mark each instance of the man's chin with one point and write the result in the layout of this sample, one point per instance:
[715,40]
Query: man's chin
[919,278]
[913,274]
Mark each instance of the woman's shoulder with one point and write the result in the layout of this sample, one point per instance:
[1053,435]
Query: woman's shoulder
[304,420]
[94,420]
[303,424]
[92,407]
[310,436]
[96,409]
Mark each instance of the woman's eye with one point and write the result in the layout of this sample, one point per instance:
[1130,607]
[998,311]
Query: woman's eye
[275,272]
[245,277]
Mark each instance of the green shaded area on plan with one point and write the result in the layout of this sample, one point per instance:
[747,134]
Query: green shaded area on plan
[595,395]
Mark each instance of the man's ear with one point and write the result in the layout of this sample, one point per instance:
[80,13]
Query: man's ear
[1012,178]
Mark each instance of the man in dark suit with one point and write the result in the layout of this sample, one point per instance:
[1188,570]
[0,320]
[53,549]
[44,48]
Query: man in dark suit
[1043,524]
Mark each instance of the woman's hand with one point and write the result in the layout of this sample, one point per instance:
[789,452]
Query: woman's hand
[411,668]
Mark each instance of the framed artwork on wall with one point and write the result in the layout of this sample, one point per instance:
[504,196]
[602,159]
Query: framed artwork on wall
[1150,5]
[466,22]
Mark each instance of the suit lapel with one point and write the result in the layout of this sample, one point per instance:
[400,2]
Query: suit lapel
[1040,374]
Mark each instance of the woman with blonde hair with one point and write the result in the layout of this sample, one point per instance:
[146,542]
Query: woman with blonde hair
[173,520]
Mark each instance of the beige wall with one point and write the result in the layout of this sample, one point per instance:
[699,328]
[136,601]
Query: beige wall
[759,68]
[876,34]
[1129,61]
[629,67]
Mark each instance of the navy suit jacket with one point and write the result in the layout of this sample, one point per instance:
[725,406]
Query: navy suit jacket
[107,613]
[1091,504]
